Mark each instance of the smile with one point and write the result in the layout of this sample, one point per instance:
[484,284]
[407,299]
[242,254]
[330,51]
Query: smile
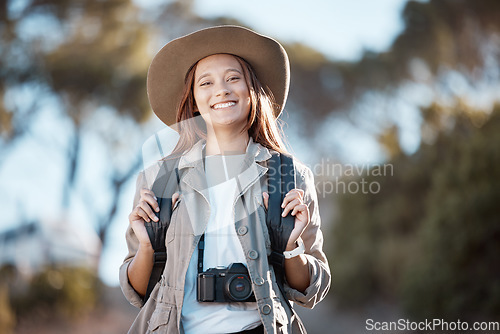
[223,105]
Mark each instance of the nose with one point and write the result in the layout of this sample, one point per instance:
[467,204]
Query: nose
[222,90]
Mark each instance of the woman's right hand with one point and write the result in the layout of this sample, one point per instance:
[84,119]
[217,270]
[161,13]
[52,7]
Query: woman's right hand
[143,212]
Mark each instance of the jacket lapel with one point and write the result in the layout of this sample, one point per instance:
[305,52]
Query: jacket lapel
[194,177]
[252,170]
[194,184]
[194,187]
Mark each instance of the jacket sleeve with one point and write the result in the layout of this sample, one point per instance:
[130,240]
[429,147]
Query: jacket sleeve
[312,236]
[133,244]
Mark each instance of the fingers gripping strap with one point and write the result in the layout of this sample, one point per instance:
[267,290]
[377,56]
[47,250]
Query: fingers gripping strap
[163,187]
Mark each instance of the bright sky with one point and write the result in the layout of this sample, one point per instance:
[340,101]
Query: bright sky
[340,29]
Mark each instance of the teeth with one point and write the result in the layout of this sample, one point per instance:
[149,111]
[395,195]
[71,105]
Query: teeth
[223,105]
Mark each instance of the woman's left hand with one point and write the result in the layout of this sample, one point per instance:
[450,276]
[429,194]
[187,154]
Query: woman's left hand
[293,202]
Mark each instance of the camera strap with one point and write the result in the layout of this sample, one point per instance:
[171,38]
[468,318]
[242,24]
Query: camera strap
[201,249]
[201,243]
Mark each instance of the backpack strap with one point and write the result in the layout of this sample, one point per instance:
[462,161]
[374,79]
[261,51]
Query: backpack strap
[281,179]
[164,186]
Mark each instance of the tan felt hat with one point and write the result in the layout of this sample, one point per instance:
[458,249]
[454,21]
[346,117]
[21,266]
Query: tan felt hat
[169,67]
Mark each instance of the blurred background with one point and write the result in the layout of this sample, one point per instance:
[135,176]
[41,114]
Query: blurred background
[394,104]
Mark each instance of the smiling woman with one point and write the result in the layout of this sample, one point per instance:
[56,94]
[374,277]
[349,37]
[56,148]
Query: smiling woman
[222,89]
[261,123]
[222,95]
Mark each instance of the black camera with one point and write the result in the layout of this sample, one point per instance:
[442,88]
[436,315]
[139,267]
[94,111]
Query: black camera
[231,284]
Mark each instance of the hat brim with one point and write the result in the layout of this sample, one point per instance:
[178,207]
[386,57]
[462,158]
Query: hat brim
[169,67]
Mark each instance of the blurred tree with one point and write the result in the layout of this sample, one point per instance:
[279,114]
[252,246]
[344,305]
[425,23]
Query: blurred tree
[443,35]
[456,272]
[430,238]
[65,291]
[90,57]
[7,316]
[7,313]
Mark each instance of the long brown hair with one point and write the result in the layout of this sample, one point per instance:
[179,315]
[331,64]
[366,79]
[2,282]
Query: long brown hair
[262,124]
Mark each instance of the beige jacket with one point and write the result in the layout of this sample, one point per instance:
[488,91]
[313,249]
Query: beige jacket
[162,311]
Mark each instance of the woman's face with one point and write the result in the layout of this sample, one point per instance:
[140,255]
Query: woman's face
[221,93]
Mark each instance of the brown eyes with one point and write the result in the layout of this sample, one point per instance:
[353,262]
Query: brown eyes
[233,78]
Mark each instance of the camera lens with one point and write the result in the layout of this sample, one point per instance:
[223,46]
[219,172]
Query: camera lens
[238,288]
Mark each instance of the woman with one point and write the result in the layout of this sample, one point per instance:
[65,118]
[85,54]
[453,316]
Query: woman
[222,89]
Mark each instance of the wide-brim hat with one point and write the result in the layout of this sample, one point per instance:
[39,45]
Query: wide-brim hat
[170,65]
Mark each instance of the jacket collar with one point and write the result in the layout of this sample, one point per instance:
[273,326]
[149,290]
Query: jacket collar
[194,157]
[251,171]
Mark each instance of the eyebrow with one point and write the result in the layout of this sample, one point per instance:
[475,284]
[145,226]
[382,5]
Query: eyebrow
[204,75]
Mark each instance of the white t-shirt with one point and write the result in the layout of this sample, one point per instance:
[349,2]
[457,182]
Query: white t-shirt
[222,247]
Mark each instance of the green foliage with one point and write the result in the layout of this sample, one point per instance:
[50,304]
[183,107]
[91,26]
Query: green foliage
[429,239]
[61,291]
[457,273]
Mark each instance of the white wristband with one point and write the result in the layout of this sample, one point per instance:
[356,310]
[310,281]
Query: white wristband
[295,252]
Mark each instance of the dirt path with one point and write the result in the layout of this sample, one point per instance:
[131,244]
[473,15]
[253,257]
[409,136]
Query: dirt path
[115,316]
